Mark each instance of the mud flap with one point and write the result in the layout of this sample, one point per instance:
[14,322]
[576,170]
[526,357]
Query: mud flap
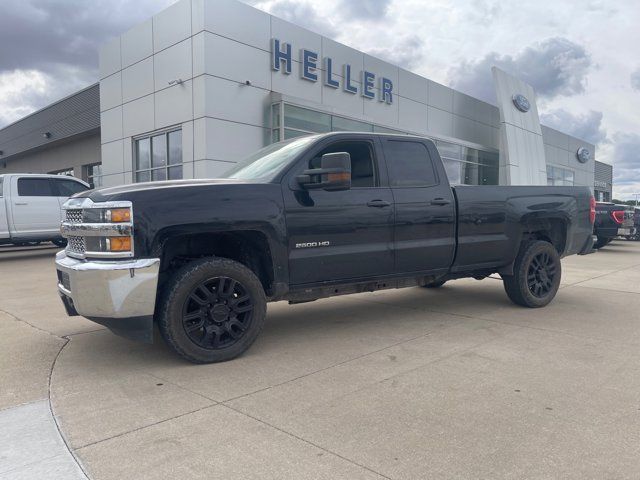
[139,329]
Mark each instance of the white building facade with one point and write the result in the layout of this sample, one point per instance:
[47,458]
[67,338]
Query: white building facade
[204,83]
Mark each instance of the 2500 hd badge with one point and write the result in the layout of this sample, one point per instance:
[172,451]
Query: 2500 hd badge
[326,243]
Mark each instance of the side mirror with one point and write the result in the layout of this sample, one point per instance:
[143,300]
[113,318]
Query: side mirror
[334,173]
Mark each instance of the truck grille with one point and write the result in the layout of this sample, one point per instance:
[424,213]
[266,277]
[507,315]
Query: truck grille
[74,215]
[76,245]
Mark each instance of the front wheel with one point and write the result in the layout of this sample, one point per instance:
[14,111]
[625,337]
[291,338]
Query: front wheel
[60,242]
[212,310]
[536,275]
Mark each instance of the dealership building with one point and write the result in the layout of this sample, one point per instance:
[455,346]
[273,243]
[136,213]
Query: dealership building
[204,83]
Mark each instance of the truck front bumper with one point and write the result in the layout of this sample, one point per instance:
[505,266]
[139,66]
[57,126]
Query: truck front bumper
[120,295]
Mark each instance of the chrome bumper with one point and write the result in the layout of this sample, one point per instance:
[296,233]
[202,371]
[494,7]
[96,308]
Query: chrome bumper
[112,289]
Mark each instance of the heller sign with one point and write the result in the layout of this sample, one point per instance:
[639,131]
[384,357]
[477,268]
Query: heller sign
[282,60]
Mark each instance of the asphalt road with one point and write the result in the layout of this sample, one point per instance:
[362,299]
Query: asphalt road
[453,383]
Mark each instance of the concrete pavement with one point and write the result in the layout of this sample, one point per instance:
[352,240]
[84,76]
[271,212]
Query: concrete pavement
[449,383]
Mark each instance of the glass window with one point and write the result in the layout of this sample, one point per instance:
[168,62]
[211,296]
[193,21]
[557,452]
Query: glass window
[66,172]
[558,177]
[568,178]
[143,154]
[449,150]
[490,159]
[275,115]
[489,175]
[34,187]
[94,175]
[379,129]
[305,119]
[340,124]
[453,169]
[470,173]
[470,155]
[175,147]
[66,188]
[159,157]
[409,163]
[158,151]
[269,161]
[363,169]
[289,134]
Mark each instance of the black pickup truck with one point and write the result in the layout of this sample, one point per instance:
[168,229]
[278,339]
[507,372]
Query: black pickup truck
[612,221]
[314,217]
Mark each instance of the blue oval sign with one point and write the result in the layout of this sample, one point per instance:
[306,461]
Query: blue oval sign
[583,154]
[521,102]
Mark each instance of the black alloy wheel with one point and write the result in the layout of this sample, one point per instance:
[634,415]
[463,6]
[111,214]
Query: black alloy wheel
[536,275]
[217,313]
[541,274]
[211,310]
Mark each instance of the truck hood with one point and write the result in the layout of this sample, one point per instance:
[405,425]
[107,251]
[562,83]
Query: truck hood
[105,194]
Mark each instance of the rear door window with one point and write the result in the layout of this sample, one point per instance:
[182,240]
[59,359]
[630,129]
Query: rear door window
[66,188]
[34,187]
[409,164]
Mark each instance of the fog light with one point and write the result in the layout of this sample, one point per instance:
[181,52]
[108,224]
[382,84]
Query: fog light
[119,215]
[119,244]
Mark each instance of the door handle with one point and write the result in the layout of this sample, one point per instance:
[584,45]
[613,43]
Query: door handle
[21,203]
[378,204]
[440,201]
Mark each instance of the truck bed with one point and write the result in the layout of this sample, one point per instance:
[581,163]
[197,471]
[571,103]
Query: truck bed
[493,220]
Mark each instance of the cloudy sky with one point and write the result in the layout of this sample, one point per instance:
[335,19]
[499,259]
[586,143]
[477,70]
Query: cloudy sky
[580,55]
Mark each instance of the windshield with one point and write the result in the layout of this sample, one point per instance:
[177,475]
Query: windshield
[269,161]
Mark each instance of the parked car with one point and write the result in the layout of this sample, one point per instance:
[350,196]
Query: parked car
[612,221]
[31,207]
[634,214]
[300,220]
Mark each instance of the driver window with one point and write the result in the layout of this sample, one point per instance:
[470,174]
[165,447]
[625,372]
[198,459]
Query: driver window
[363,170]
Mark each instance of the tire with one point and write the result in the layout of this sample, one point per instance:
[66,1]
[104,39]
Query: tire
[436,284]
[60,242]
[601,242]
[204,317]
[537,274]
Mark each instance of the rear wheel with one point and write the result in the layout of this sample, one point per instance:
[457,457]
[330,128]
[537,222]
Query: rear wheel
[601,242]
[536,275]
[212,311]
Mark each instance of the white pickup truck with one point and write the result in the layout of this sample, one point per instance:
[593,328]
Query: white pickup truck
[30,207]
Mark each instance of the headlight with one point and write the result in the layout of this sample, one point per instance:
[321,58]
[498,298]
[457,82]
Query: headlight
[107,215]
[108,245]
[98,230]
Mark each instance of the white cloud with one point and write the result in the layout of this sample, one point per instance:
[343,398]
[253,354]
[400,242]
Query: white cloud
[554,67]
[587,127]
[581,56]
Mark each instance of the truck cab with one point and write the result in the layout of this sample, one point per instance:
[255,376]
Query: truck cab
[31,206]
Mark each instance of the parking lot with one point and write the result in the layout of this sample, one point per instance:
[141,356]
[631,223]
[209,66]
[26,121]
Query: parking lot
[405,384]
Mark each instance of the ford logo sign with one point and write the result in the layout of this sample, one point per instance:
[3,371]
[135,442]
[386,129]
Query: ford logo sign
[583,154]
[521,102]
